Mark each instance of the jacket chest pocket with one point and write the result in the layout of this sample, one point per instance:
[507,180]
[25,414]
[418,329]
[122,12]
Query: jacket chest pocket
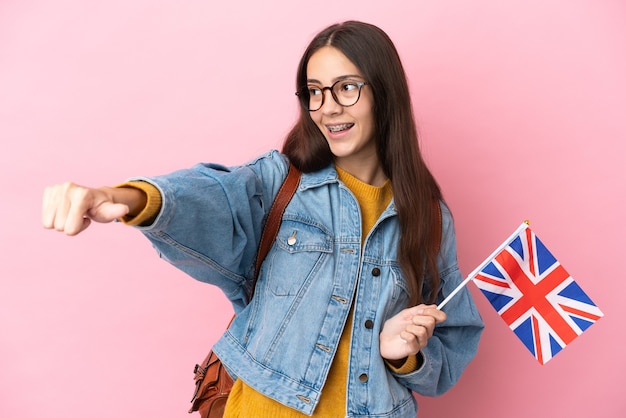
[400,292]
[297,257]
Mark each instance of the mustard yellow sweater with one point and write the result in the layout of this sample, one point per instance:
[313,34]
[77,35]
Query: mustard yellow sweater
[244,401]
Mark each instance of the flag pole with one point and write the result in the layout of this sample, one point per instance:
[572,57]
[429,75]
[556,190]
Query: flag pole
[523,226]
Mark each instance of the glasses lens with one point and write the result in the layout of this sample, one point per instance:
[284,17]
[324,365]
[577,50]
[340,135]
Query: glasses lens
[315,96]
[347,92]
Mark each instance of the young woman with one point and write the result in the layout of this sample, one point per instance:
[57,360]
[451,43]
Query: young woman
[343,321]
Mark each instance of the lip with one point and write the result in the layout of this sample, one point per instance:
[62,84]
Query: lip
[338,134]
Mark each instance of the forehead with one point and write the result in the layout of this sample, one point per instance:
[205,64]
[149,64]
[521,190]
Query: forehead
[328,64]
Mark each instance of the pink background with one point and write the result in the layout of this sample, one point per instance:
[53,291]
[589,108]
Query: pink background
[521,107]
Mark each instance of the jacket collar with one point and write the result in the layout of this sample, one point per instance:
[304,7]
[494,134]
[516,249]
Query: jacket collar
[329,175]
[319,178]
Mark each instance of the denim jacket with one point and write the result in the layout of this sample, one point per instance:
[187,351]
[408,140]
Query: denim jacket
[283,341]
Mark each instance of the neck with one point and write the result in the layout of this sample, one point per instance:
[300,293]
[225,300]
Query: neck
[370,173]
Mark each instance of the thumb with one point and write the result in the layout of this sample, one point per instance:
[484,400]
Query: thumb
[107,212]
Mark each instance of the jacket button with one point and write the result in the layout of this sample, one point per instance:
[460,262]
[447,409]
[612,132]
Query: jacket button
[363,378]
[369,324]
[375,272]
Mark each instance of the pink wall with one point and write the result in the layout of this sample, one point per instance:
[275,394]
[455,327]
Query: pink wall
[521,106]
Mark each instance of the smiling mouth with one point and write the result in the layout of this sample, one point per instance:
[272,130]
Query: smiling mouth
[339,128]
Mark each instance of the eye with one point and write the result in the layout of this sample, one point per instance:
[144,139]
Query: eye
[348,86]
[314,91]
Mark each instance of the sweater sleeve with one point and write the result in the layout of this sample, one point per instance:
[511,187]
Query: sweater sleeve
[153,204]
[410,365]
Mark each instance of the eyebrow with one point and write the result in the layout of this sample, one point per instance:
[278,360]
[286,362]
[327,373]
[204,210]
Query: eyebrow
[342,77]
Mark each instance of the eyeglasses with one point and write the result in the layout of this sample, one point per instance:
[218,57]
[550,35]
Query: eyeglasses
[345,92]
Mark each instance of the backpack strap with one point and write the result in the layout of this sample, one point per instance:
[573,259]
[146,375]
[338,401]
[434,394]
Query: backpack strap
[274,218]
[438,226]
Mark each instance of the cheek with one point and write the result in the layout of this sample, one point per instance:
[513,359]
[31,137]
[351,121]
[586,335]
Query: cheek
[368,121]
[364,111]
[317,119]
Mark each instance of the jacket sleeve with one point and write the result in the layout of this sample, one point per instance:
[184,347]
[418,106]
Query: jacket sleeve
[455,341]
[211,219]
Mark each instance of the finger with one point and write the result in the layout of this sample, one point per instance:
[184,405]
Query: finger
[58,205]
[83,226]
[47,209]
[421,332]
[77,204]
[107,212]
[411,342]
[428,311]
[415,310]
[426,321]
[438,315]
[407,337]
[54,206]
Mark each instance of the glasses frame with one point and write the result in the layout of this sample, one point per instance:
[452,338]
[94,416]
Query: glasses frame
[303,94]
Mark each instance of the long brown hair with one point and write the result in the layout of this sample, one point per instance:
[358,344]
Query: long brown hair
[414,187]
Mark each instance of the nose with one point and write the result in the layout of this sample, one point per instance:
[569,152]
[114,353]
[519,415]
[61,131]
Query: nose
[330,105]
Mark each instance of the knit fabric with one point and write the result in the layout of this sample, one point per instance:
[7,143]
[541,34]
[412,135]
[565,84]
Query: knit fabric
[153,204]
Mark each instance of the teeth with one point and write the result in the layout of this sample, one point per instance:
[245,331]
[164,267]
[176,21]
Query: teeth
[342,127]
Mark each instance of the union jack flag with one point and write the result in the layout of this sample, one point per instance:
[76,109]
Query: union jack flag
[534,295]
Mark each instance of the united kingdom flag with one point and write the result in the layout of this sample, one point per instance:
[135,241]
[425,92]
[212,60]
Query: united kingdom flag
[534,295]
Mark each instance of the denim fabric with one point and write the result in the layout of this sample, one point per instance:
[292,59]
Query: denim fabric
[282,342]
